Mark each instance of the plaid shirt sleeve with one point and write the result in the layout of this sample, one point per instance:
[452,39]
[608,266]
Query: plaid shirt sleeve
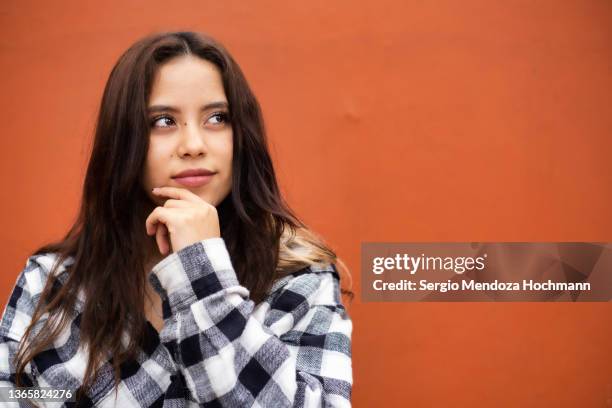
[291,351]
[15,320]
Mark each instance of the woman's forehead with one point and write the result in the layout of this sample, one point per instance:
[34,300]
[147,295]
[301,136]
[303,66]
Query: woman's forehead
[187,80]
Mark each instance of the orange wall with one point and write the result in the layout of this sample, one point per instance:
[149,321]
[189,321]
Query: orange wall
[390,121]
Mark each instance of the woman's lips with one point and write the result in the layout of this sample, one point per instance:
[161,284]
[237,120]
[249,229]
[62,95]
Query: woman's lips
[194,181]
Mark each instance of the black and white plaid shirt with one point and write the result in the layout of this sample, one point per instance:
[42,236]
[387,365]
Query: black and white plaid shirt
[217,348]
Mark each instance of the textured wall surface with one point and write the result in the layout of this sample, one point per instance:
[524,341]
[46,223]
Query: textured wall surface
[389,121]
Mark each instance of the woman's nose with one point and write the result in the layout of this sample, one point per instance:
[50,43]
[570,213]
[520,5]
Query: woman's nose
[191,141]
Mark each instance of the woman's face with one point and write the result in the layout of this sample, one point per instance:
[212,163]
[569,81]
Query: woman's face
[189,130]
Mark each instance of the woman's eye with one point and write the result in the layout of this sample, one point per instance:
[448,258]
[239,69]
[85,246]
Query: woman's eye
[161,122]
[219,118]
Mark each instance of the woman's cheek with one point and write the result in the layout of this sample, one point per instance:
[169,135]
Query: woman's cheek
[158,159]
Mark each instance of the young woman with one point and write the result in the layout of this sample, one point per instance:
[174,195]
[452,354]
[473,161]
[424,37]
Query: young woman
[186,278]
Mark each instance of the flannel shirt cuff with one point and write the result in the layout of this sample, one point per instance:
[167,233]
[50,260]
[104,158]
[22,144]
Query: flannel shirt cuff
[195,272]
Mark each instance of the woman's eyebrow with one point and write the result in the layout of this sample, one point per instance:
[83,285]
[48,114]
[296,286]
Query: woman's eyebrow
[168,108]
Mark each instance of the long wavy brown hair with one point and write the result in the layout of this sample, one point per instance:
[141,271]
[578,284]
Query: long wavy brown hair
[107,240]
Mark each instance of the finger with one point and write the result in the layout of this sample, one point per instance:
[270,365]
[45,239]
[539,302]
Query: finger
[166,236]
[157,224]
[151,224]
[172,203]
[159,214]
[178,193]
[161,237]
